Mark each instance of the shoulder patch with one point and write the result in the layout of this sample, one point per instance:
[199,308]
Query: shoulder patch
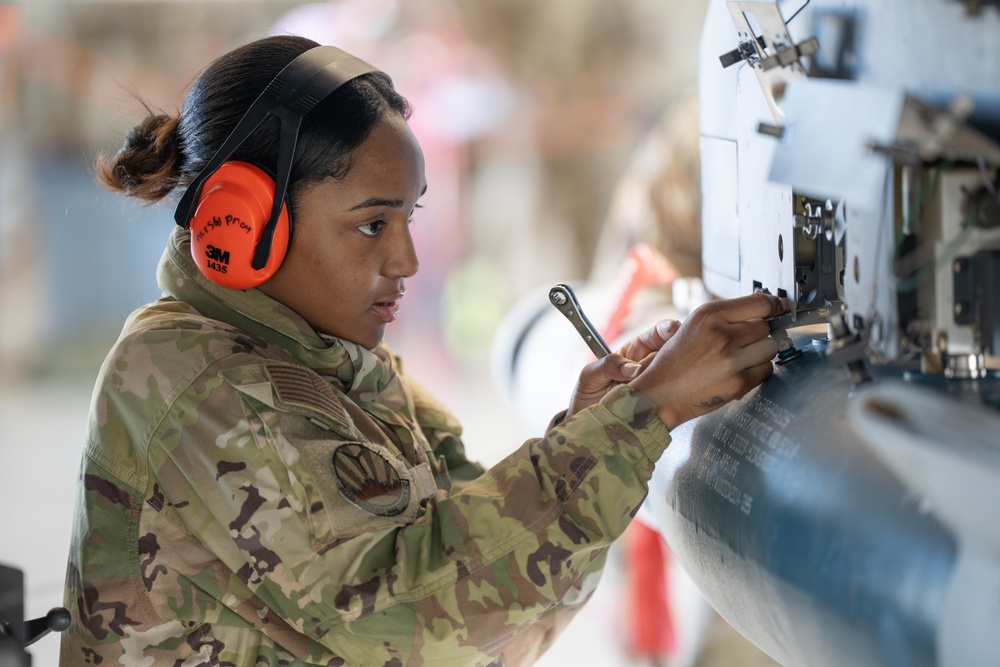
[369,480]
[302,387]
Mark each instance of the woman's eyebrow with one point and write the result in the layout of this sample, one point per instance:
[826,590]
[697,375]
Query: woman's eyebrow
[373,202]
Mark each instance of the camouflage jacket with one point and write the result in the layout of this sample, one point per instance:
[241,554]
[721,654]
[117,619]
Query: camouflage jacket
[252,493]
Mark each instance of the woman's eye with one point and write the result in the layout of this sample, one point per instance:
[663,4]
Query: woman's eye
[372,228]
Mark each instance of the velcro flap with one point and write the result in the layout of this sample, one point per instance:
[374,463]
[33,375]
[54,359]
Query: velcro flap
[292,388]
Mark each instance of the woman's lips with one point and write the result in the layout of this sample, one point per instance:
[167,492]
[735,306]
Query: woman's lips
[387,311]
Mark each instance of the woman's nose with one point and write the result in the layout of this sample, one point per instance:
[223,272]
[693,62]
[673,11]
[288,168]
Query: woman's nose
[402,261]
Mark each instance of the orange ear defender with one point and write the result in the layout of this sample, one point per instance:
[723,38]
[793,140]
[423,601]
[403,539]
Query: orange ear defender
[231,215]
[238,215]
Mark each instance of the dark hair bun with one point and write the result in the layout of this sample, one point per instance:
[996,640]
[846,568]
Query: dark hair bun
[146,166]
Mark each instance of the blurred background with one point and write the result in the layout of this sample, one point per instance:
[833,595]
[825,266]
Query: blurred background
[529,113]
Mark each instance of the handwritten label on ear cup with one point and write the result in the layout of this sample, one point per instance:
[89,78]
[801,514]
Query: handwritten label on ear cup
[232,211]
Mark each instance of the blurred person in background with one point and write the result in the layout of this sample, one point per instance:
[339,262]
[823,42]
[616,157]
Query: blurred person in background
[262,483]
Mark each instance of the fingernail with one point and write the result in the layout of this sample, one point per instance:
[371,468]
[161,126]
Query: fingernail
[631,369]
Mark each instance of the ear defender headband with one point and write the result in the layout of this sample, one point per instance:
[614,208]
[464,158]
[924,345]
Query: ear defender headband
[239,220]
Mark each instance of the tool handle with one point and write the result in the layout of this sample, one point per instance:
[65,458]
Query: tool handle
[563,298]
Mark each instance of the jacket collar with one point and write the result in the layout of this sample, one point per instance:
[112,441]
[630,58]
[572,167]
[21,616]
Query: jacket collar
[354,366]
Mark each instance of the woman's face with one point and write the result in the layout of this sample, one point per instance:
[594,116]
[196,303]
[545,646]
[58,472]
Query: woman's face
[351,249]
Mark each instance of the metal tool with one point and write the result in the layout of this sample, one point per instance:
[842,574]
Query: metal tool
[563,298]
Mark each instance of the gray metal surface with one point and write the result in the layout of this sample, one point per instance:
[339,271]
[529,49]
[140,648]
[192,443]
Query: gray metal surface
[795,520]
[796,531]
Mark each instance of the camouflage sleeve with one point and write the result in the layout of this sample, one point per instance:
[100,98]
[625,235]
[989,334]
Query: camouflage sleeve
[334,535]
[537,638]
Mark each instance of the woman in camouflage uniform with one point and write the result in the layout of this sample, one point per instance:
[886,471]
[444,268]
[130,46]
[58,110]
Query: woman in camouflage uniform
[262,484]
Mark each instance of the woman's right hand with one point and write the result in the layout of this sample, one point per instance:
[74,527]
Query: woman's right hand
[721,351]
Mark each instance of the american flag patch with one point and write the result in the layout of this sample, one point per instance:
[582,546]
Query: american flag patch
[297,386]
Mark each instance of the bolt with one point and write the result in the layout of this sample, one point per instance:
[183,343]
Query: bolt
[875,331]
[942,341]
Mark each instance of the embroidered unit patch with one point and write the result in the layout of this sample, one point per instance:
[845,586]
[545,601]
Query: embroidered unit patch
[369,480]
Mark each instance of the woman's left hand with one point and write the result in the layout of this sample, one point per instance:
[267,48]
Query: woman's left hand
[601,376]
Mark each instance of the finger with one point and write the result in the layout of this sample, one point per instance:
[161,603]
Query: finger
[757,353]
[611,368]
[629,370]
[646,361]
[752,306]
[644,364]
[592,377]
[750,331]
[651,340]
[757,374]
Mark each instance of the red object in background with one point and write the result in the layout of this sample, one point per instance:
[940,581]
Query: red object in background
[8,25]
[650,623]
[644,266]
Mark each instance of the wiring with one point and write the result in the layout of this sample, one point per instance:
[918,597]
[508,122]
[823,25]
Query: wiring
[947,254]
[907,267]
[987,181]
[917,206]
[797,12]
